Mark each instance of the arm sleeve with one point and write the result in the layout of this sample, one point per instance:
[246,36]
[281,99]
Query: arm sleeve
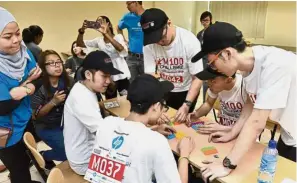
[7,104]
[149,60]
[191,50]
[89,115]
[37,99]
[119,38]
[68,64]
[165,168]
[122,24]
[274,86]
[92,43]
[212,95]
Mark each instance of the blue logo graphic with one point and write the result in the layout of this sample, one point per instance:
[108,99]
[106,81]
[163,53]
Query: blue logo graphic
[117,142]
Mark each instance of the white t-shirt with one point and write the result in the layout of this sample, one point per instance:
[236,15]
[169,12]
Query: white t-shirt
[231,102]
[272,85]
[174,61]
[81,121]
[117,57]
[148,152]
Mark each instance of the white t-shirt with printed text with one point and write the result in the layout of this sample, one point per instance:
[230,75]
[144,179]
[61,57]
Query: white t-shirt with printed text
[272,85]
[174,61]
[81,120]
[148,153]
[231,102]
[118,58]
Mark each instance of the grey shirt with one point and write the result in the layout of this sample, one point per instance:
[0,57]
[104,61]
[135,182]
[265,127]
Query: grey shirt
[35,49]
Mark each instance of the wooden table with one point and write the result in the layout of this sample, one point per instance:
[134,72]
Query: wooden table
[246,171]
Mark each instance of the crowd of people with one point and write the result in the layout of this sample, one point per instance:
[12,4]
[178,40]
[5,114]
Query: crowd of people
[60,99]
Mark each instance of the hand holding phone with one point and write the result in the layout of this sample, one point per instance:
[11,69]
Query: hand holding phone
[91,24]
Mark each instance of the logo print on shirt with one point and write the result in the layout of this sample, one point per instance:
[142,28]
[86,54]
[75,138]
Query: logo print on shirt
[117,142]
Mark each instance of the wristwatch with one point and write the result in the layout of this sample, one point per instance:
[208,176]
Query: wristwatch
[227,164]
[188,103]
[28,90]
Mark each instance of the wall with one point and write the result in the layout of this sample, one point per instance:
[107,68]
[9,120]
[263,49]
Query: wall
[61,20]
[280,24]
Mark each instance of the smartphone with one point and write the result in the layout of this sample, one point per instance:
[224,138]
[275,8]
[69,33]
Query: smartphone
[92,24]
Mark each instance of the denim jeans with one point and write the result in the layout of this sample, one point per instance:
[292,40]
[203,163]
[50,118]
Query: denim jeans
[53,138]
[136,66]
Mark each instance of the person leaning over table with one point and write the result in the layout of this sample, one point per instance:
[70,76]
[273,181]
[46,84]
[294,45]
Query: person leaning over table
[270,82]
[17,72]
[171,48]
[232,96]
[148,153]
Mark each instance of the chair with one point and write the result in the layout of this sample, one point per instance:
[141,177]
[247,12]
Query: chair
[55,176]
[34,155]
[68,174]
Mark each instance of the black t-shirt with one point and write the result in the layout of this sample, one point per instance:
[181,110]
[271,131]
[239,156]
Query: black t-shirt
[73,63]
[40,99]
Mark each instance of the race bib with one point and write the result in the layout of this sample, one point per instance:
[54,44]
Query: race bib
[173,79]
[104,169]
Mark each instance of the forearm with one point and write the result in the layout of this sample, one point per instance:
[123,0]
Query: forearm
[251,129]
[121,32]
[183,169]
[245,114]
[203,110]
[194,89]
[45,110]
[80,40]
[225,128]
[115,44]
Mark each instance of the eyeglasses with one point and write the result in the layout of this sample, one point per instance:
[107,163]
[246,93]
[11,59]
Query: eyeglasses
[54,64]
[164,105]
[213,59]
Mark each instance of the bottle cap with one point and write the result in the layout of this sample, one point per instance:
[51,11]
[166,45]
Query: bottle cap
[272,144]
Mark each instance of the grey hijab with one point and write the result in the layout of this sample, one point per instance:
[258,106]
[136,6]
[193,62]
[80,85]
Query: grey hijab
[12,65]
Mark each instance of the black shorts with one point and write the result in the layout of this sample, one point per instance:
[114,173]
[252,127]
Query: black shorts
[286,151]
[177,99]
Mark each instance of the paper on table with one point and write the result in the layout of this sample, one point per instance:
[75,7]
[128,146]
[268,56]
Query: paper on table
[179,135]
[288,181]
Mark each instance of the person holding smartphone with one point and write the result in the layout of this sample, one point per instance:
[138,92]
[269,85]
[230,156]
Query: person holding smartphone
[114,46]
[48,105]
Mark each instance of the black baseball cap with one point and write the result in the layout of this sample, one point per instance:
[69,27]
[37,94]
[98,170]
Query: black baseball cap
[208,73]
[218,36]
[153,22]
[146,90]
[99,60]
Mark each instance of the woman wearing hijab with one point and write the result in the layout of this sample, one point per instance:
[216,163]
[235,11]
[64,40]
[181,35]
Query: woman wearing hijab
[17,72]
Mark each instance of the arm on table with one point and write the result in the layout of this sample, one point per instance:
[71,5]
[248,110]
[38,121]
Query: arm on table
[251,129]
[204,109]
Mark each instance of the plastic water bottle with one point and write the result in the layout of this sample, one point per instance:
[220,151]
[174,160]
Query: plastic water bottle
[268,163]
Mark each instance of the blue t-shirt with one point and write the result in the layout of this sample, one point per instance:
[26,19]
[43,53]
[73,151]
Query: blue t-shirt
[22,114]
[131,21]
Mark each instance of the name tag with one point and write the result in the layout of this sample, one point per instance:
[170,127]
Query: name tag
[104,170]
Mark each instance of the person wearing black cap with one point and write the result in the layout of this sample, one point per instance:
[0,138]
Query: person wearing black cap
[270,82]
[81,110]
[231,94]
[143,153]
[171,48]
